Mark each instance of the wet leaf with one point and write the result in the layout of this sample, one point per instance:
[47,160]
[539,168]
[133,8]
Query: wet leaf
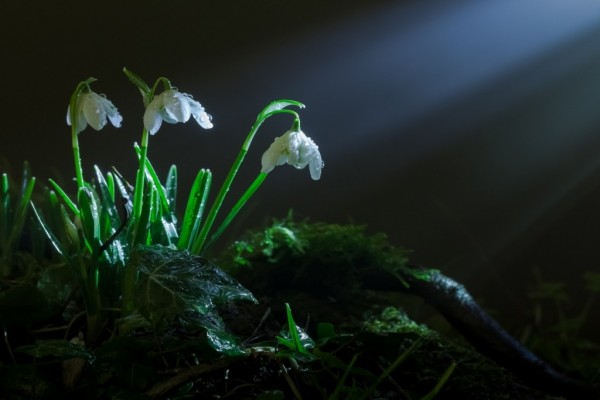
[61,349]
[217,338]
[56,283]
[224,343]
[173,282]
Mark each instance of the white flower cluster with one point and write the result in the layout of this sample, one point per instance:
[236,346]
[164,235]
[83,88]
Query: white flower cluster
[294,148]
[170,106]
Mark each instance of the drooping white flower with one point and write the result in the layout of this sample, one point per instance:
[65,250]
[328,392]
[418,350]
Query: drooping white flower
[294,148]
[94,109]
[172,106]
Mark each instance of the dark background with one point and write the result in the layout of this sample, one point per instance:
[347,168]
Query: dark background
[468,131]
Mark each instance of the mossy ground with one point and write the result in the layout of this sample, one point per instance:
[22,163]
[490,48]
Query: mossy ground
[313,267]
[366,346]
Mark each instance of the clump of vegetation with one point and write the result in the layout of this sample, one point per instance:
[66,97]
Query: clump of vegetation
[317,257]
[105,294]
[269,262]
[111,262]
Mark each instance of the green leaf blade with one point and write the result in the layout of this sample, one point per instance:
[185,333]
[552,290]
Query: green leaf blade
[46,229]
[64,197]
[276,106]
[90,218]
[194,211]
[171,188]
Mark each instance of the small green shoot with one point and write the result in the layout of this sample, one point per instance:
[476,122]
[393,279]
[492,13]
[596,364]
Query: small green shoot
[295,339]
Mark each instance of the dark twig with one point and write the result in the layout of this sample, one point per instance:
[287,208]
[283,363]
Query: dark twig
[162,388]
[119,229]
[454,302]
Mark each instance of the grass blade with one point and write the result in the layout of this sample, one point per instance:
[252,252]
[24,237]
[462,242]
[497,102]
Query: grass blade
[195,209]
[65,197]
[171,188]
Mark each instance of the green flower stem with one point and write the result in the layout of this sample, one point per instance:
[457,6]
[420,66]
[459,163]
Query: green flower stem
[237,207]
[198,245]
[93,294]
[130,276]
[140,181]
[129,279]
[74,129]
[76,156]
[138,197]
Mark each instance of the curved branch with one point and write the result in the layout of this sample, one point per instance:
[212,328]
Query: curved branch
[458,307]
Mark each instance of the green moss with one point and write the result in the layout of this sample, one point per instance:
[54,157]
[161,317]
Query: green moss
[314,267]
[393,319]
[317,256]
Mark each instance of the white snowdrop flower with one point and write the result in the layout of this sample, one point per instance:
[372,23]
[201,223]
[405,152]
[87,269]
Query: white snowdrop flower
[94,109]
[172,106]
[294,148]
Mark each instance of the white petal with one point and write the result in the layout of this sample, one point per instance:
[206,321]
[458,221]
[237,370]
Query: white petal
[165,117]
[115,118]
[176,106]
[152,118]
[81,122]
[81,119]
[298,150]
[267,161]
[69,115]
[93,110]
[275,155]
[307,151]
[315,165]
[295,142]
[111,112]
[202,118]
